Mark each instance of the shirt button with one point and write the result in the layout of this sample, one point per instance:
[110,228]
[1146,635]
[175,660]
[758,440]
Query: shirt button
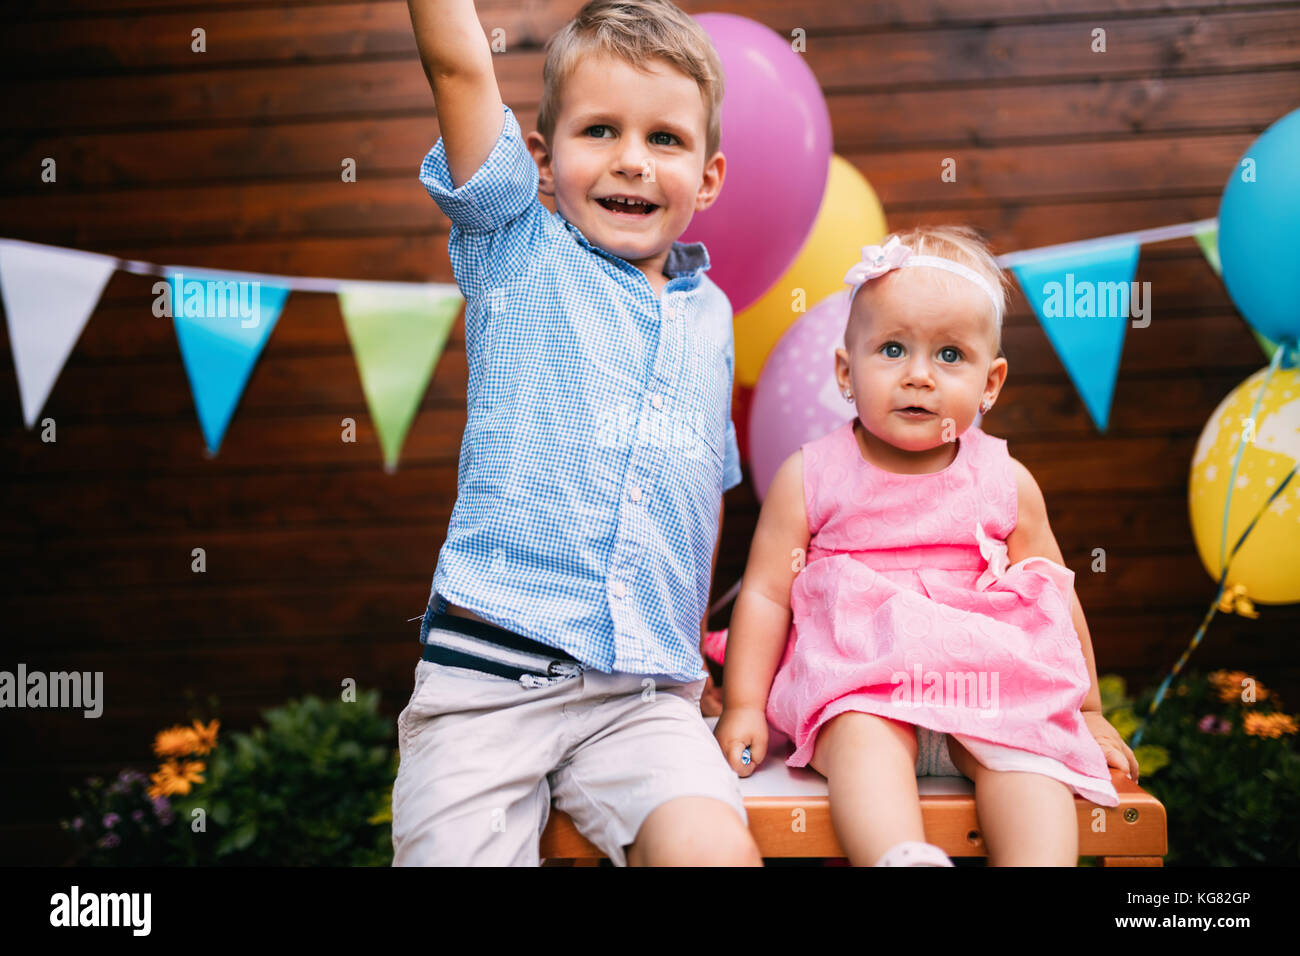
[620,590]
[635,494]
[657,401]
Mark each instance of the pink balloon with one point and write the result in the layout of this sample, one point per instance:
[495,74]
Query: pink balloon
[776,135]
[796,398]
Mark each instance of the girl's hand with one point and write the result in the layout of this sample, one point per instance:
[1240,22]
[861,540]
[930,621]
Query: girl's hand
[738,728]
[1117,752]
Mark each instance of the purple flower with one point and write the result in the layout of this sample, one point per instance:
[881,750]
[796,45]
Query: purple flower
[137,815]
[1212,724]
[110,820]
[163,811]
[109,840]
[78,823]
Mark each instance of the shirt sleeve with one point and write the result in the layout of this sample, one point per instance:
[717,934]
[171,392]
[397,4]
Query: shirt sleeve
[731,473]
[492,213]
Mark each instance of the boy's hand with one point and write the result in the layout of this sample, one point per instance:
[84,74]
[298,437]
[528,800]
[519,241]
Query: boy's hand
[711,699]
[738,728]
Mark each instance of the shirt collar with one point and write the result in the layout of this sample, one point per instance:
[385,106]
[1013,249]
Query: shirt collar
[684,258]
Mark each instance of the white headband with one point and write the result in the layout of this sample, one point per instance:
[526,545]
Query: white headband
[878,260]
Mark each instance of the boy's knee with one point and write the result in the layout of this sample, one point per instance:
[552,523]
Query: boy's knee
[694,831]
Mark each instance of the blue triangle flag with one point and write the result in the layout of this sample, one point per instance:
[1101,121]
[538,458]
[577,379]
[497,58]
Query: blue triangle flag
[222,323]
[1084,301]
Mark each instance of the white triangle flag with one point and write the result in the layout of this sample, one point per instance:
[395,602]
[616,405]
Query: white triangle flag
[48,293]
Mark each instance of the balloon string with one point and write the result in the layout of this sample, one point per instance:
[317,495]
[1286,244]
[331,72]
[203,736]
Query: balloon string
[1214,607]
[1241,448]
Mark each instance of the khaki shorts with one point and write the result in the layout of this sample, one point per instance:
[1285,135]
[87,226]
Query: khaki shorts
[482,757]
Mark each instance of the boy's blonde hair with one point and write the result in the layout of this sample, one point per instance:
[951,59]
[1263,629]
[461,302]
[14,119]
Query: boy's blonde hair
[634,31]
[962,244]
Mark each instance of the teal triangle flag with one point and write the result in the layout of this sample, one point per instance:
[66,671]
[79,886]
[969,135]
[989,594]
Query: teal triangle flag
[222,324]
[1084,301]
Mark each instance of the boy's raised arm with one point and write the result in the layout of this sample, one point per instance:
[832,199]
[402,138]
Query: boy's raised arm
[458,62]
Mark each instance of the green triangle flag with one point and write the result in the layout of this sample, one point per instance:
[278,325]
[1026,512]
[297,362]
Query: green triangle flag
[1208,240]
[397,330]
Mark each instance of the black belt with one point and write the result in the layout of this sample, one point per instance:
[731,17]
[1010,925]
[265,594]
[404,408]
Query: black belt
[485,647]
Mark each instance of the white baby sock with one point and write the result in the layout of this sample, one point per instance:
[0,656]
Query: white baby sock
[914,853]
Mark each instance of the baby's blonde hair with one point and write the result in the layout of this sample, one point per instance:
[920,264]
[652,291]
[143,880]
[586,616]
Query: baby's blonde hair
[962,244]
[634,31]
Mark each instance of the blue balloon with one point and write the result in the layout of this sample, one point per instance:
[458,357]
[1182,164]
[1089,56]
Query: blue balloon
[1259,232]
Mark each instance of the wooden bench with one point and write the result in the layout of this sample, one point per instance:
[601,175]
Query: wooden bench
[789,815]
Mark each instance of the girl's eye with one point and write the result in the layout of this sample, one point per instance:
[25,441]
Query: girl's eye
[590,128]
[892,345]
[669,135]
[947,351]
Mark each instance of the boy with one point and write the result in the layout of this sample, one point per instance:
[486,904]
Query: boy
[562,633]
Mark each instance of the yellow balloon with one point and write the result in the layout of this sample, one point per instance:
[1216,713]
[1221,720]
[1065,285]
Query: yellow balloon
[849,218]
[1268,564]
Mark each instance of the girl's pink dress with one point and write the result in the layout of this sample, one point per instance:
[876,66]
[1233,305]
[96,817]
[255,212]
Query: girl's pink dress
[906,608]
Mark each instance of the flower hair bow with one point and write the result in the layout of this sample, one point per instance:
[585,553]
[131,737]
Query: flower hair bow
[876,261]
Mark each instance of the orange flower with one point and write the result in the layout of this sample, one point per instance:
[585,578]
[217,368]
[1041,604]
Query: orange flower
[173,778]
[1269,725]
[181,741]
[175,742]
[167,781]
[1231,685]
[207,736]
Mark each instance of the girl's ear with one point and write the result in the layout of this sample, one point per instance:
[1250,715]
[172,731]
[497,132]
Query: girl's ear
[842,377]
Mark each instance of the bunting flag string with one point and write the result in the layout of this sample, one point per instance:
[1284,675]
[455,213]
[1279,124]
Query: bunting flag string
[397,330]
[223,320]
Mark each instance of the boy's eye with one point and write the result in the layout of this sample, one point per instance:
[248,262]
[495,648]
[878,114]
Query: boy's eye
[892,345]
[949,353]
[602,128]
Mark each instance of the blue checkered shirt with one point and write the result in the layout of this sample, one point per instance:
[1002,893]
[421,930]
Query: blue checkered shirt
[598,439]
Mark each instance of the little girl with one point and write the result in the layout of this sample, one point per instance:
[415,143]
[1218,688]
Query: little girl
[935,629]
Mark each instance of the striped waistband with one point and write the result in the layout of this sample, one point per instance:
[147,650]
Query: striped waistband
[460,642]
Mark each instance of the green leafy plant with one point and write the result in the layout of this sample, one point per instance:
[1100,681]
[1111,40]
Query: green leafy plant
[1229,771]
[303,790]
[312,787]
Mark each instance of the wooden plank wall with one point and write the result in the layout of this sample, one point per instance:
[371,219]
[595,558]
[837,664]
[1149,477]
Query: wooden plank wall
[316,557]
